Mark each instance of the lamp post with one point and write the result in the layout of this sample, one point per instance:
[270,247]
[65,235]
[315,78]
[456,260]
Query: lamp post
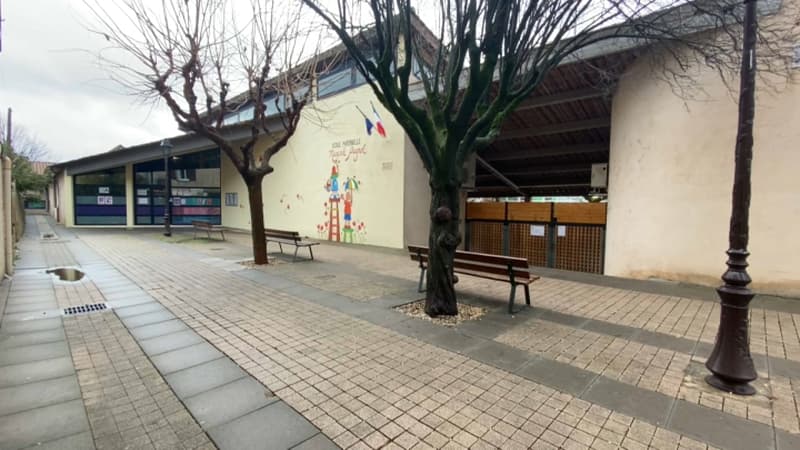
[730,362]
[166,148]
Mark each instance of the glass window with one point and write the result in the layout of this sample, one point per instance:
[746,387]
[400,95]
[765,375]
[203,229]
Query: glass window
[195,180]
[100,197]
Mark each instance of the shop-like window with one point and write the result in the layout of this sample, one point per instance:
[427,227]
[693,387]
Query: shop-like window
[100,197]
[195,189]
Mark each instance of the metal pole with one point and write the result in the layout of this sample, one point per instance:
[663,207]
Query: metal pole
[166,147]
[730,362]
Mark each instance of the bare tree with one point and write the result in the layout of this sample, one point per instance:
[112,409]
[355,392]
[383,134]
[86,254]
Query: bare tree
[24,147]
[190,54]
[452,88]
[24,142]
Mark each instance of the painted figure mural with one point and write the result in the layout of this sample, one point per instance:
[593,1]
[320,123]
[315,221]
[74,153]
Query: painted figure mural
[351,230]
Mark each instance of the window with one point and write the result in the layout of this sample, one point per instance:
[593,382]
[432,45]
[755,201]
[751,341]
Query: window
[100,198]
[796,57]
[231,199]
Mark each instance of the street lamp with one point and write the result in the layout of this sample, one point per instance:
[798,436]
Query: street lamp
[166,148]
[730,362]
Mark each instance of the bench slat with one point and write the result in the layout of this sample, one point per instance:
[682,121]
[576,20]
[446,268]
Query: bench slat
[479,268]
[514,261]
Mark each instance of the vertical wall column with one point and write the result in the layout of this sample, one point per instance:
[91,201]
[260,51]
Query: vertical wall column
[7,211]
[68,202]
[130,205]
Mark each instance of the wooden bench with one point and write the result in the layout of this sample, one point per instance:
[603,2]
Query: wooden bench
[208,227]
[515,271]
[290,238]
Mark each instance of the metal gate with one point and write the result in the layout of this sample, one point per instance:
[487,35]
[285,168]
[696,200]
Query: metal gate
[569,236]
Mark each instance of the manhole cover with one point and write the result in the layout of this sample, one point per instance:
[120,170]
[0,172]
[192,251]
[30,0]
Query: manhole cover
[85,309]
[67,274]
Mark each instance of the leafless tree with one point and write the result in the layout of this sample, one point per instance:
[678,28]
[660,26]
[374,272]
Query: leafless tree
[452,88]
[191,54]
[24,142]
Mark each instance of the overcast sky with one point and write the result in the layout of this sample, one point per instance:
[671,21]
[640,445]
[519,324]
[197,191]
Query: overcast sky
[50,78]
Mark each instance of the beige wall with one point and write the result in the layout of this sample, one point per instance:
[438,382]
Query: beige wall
[332,132]
[670,181]
[417,199]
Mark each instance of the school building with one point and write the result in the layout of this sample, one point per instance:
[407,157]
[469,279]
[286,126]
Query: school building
[669,165]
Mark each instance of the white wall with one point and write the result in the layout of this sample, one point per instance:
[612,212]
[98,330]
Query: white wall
[670,181]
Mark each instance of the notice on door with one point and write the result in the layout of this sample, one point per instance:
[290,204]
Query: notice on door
[537,230]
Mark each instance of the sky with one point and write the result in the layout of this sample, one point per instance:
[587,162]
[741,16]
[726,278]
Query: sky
[50,77]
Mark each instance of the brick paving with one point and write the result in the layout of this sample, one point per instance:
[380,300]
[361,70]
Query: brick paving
[366,386]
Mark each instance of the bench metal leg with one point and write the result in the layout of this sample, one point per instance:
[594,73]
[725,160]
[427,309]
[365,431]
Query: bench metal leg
[421,280]
[527,295]
[511,298]
[311,252]
[280,247]
[296,248]
[222,233]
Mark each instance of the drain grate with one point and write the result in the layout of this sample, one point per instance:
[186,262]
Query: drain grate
[84,309]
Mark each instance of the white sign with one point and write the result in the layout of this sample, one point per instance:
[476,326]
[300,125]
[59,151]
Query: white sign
[537,230]
[141,192]
[562,230]
[105,200]
[103,190]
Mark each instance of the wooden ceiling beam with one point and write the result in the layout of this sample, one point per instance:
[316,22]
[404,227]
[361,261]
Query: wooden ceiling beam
[545,130]
[544,152]
[543,170]
[561,97]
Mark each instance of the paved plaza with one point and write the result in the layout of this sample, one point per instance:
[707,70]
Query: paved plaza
[199,350]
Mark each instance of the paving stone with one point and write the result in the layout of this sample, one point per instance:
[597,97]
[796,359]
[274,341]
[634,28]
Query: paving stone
[35,371]
[200,378]
[228,402]
[147,319]
[186,357]
[168,342]
[30,307]
[45,424]
[30,326]
[30,353]
[648,405]
[23,397]
[558,375]
[499,355]
[719,429]
[36,337]
[276,424]
[80,441]
[144,308]
[318,442]
[157,329]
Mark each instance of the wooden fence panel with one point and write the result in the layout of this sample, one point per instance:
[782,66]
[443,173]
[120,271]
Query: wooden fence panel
[486,211]
[523,245]
[584,213]
[486,237]
[580,249]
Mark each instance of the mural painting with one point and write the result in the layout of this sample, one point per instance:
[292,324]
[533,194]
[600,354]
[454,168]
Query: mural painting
[340,224]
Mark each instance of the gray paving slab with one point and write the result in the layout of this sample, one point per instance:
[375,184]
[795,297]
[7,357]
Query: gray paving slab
[45,424]
[228,402]
[28,307]
[558,375]
[186,357]
[200,378]
[30,353]
[23,397]
[80,441]
[168,342]
[30,326]
[453,340]
[637,402]
[318,442]
[147,319]
[157,329]
[36,337]
[719,429]
[144,308]
[275,426]
[499,355]
[787,441]
[32,315]
[35,371]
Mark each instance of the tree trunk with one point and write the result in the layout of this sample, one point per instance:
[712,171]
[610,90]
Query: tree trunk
[257,220]
[440,297]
